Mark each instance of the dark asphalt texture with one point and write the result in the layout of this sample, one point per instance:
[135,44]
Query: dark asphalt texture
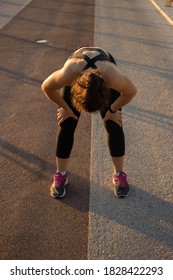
[33,224]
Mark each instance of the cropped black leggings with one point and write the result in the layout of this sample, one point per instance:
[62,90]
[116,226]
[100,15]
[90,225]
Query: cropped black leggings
[65,134]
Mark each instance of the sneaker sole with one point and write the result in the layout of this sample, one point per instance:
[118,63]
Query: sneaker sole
[57,195]
[120,196]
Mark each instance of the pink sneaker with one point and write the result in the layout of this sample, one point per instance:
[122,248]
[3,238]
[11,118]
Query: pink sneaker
[58,187]
[121,185]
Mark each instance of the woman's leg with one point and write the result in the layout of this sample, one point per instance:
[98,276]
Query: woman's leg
[65,134]
[116,143]
[116,138]
[65,139]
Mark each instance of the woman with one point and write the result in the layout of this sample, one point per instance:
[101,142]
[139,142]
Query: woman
[89,82]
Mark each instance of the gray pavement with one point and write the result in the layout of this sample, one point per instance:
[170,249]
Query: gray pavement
[9,9]
[167,10]
[141,226]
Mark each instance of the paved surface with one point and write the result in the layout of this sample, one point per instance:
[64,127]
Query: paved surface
[166,12]
[90,222]
[33,225]
[141,226]
[9,9]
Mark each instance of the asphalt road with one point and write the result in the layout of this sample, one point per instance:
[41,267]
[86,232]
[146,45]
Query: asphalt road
[90,222]
[33,225]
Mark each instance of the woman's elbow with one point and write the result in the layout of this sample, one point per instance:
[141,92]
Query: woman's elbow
[44,87]
[134,91]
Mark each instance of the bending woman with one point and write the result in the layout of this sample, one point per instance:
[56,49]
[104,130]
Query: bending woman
[89,82]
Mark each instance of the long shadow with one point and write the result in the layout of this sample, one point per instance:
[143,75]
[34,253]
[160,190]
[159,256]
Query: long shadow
[23,40]
[80,3]
[160,72]
[155,118]
[60,25]
[78,192]
[140,211]
[21,158]
[5,16]
[128,21]
[151,43]
[12,3]
[60,11]
[20,76]
[44,169]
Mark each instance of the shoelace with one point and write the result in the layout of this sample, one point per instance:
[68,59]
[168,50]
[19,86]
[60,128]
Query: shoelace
[121,180]
[59,179]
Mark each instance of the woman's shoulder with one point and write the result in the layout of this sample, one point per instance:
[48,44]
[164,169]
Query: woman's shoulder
[74,65]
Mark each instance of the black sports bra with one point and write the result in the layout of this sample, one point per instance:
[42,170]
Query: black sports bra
[91,61]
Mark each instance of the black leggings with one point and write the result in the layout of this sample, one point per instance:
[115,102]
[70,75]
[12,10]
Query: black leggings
[65,135]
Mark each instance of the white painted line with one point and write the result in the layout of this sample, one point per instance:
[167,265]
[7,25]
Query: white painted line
[10,9]
[41,41]
[161,11]
[100,167]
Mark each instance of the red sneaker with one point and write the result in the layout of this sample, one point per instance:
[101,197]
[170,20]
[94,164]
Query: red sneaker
[121,185]
[58,187]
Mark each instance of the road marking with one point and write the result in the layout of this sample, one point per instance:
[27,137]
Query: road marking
[165,15]
[9,10]
[100,194]
[41,41]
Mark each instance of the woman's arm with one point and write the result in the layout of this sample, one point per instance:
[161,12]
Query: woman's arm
[127,89]
[56,81]
[123,85]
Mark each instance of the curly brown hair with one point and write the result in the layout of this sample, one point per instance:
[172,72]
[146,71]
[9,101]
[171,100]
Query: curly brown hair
[88,92]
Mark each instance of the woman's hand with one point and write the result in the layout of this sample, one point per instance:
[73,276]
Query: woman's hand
[63,114]
[115,117]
